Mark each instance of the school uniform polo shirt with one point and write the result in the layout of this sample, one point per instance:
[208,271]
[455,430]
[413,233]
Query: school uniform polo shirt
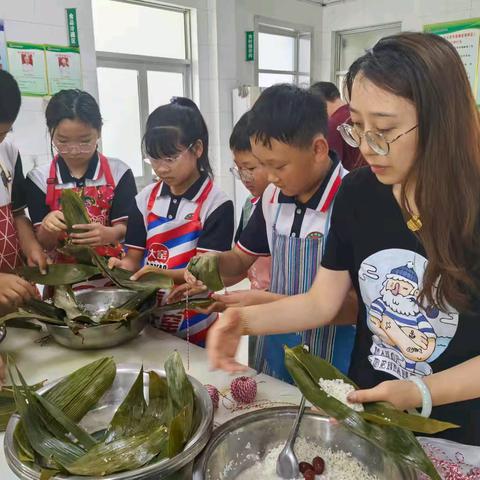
[289,216]
[10,158]
[124,194]
[216,215]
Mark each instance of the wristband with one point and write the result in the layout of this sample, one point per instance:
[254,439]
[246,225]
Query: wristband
[426,395]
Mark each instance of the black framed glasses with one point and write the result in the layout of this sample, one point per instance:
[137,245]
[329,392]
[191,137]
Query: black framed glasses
[376,140]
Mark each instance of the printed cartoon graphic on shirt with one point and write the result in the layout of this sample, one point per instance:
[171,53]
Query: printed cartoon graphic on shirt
[407,336]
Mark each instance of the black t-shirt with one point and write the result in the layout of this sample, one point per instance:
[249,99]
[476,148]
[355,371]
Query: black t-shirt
[395,337]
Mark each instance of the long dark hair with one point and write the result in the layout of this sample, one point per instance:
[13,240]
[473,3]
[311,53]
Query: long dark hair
[72,105]
[427,70]
[175,126]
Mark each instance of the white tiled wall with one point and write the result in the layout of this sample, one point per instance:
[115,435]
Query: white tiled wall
[412,14]
[44,21]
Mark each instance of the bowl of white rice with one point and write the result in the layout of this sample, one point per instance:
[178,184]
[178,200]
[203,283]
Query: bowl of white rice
[247,447]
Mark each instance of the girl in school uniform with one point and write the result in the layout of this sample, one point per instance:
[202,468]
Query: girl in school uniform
[183,214]
[405,233]
[17,239]
[106,185]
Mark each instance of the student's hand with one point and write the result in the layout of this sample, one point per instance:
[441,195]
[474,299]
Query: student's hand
[144,270]
[192,280]
[14,292]
[180,293]
[96,235]
[36,257]
[244,298]
[402,394]
[223,339]
[54,222]
[125,263]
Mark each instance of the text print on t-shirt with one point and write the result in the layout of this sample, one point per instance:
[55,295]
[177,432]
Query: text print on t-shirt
[407,336]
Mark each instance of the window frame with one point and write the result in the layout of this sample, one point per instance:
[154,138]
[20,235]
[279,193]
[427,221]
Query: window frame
[145,63]
[338,75]
[287,29]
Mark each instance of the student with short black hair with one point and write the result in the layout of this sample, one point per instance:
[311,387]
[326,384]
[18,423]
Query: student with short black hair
[287,128]
[182,214]
[17,239]
[338,112]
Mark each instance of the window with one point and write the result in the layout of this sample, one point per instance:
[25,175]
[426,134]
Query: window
[351,44]
[143,60]
[283,53]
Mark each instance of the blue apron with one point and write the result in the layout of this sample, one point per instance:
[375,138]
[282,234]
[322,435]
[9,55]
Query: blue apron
[295,262]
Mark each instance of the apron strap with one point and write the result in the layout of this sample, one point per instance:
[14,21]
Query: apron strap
[52,181]
[105,170]
[153,196]
[201,199]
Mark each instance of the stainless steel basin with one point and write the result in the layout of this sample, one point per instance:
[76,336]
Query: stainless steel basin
[234,442]
[97,302]
[177,468]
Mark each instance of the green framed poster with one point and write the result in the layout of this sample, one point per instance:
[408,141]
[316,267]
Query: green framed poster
[63,67]
[27,64]
[465,37]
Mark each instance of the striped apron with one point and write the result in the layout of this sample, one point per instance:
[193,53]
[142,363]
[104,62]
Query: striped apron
[170,244]
[295,262]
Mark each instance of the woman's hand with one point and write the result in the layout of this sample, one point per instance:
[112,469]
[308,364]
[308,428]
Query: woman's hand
[223,339]
[96,235]
[245,298]
[402,394]
[14,292]
[54,222]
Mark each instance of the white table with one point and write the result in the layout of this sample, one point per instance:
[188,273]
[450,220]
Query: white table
[151,348]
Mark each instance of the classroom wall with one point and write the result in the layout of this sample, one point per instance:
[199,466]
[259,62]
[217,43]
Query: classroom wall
[44,21]
[412,14]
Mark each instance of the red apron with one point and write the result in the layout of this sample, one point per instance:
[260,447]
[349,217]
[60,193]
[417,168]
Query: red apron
[170,244]
[10,257]
[97,200]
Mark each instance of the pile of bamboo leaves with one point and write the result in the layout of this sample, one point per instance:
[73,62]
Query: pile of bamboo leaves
[49,437]
[380,423]
[65,310]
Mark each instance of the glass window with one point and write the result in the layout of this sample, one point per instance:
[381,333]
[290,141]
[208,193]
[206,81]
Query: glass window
[162,86]
[353,43]
[121,136]
[276,52]
[138,30]
[284,53]
[268,79]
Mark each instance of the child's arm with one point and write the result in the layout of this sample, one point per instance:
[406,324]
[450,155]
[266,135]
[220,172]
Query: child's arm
[29,244]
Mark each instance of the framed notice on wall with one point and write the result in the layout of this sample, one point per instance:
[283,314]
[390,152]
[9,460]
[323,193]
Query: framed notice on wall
[64,68]
[465,37]
[3,47]
[27,64]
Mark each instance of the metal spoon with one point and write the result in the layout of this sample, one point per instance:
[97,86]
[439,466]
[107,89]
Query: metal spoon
[287,463]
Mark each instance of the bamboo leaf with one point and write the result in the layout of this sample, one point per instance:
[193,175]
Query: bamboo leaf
[182,305]
[205,268]
[23,315]
[124,454]
[129,414]
[398,443]
[58,274]
[73,209]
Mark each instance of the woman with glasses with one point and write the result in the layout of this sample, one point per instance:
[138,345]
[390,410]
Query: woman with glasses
[405,233]
[181,215]
[106,185]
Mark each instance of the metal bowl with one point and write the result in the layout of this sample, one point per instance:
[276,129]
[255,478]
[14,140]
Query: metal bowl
[97,302]
[237,441]
[176,468]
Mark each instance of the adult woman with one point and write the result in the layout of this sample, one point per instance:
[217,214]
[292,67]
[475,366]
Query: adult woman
[405,233]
